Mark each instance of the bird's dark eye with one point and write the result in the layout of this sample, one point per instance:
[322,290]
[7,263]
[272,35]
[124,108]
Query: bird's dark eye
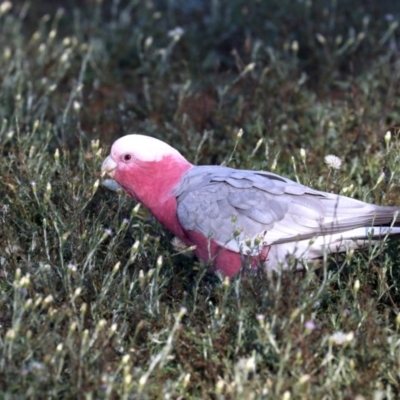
[127,157]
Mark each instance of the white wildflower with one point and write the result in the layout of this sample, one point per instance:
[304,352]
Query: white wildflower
[52,34]
[287,395]
[339,338]
[246,365]
[303,155]
[356,286]
[176,33]
[148,42]
[388,136]
[320,38]
[333,162]
[77,106]
[108,232]
[48,299]
[381,177]
[72,267]
[304,379]
[66,41]
[178,245]
[7,53]
[5,7]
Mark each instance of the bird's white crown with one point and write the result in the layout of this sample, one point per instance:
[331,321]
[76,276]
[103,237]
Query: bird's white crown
[143,148]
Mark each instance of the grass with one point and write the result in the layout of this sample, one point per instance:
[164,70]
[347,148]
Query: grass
[95,302]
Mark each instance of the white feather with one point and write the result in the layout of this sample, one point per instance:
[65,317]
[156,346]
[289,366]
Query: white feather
[280,254]
[143,148]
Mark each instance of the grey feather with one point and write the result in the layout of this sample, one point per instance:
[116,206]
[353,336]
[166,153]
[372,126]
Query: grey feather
[218,201]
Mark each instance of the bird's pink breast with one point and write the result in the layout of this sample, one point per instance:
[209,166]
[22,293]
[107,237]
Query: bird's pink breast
[226,261]
[152,185]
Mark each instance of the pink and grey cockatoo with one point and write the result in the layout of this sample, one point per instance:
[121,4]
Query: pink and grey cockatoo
[232,216]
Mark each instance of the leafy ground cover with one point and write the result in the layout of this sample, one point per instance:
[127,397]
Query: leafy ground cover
[95,299]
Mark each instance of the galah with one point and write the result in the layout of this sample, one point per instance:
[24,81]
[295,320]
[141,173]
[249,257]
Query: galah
[235,217]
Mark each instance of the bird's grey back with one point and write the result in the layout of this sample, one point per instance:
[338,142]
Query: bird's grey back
[216,201]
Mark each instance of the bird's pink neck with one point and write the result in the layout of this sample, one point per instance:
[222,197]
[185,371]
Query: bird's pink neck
[151,183]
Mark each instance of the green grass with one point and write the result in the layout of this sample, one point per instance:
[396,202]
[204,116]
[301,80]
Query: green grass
[95,302]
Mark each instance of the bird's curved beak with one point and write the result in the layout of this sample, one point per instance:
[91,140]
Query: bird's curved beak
[108,167]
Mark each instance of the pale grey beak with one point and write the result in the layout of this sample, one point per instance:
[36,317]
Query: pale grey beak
[108,167]
[110,184]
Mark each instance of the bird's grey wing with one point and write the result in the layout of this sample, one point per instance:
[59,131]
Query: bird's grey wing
[241,209]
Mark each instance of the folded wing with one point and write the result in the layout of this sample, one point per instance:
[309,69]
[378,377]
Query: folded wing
[246,210]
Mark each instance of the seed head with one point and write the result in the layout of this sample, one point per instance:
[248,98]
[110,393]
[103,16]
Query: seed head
[333,162]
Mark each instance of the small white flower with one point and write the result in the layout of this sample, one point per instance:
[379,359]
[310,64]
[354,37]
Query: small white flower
[356,286]
[388,136]
[333,162]
[287,395]
[246,365]
[148,42]
[178,245]
[52,34]
[381,177]
[339,338]
[5,7]
[7,53]
[176,33]
[303,155]
[77,105]
[48,299]
[320,38]
[304,379]
[71,267]
[108,232]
